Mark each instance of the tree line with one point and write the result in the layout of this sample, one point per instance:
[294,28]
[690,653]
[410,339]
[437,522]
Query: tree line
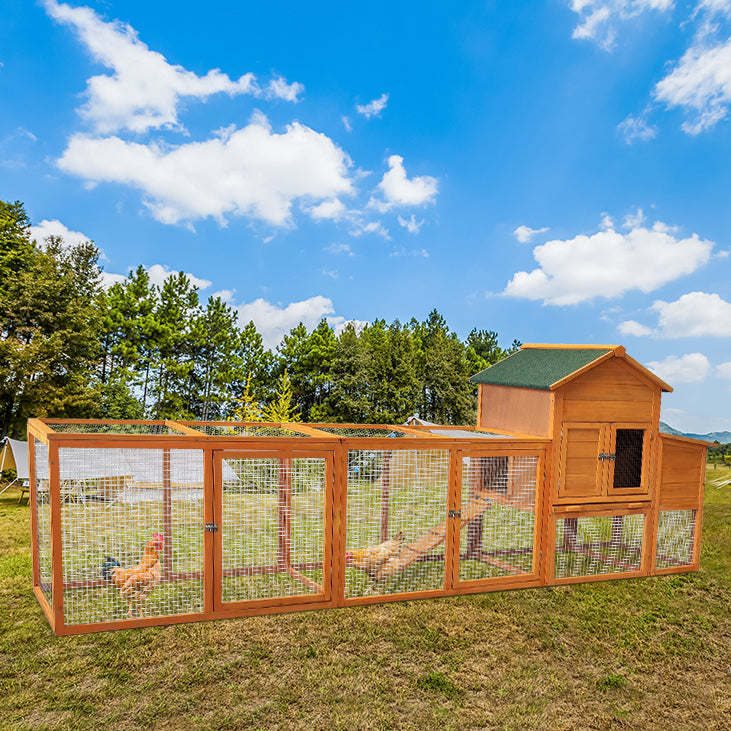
[71,348]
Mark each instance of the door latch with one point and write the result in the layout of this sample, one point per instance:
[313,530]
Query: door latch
[603,456]
[211,527]
[455,513]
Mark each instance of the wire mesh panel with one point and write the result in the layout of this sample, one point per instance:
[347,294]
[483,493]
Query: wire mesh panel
[362,432]
[628,458]
[396,521]
[675,538]
[132,533]
[498,516]
[243,430]
[42,507]
[118,428]
[272,529]
[605,544]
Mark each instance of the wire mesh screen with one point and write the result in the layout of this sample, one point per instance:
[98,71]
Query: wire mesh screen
[587,546]
[361,432]
[498,515]
[628,458]
[273,527]
[243,430]
[42,509]
[675,538]
[119,428]
[396,521]
[132,533]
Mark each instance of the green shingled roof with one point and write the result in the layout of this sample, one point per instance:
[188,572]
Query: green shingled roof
[538,367]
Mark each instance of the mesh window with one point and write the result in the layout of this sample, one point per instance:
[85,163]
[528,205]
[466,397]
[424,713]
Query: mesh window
[396,521]
[675,538]
[273,527]
[497,516]
[628,459]
[43,519]
[598,545]
[114,502]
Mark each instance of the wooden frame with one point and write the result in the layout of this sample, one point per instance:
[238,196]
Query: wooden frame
[312,440]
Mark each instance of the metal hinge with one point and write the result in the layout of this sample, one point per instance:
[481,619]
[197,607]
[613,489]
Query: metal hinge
[455,513]
[603,456]
[211,527]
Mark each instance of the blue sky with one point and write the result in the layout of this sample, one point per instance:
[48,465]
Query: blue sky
[557,171]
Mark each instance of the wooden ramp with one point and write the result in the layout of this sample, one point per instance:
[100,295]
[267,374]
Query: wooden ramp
[412,552]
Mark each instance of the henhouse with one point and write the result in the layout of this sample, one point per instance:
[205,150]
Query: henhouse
[565,478]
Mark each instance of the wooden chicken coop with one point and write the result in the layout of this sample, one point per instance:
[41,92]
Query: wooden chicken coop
[565,478]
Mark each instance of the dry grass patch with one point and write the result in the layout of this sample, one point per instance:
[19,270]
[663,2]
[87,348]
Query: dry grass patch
[650,653]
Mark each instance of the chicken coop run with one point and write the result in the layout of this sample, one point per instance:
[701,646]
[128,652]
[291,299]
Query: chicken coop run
[138,523]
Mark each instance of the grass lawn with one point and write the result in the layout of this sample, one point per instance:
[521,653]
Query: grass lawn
[636,654]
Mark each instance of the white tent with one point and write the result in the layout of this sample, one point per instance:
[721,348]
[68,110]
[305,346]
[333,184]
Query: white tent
[15,455]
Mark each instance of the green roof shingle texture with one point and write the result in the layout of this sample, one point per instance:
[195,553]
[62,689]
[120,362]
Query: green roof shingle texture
[538,367]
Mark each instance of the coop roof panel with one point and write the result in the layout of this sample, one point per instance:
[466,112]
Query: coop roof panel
[539,368]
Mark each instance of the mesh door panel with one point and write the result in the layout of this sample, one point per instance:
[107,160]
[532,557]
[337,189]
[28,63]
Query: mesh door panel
[398,497]
[500,492]
[114,501]
[273,527]
[42,508]
[675,538]
[587,546]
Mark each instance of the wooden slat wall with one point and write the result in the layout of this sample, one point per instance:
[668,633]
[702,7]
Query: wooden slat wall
[682,474]
[611,392]
[515,410]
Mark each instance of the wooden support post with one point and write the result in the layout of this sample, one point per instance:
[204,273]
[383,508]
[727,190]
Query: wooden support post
[475,527]
[385,493]
[284,515]
[167,517]
[54,495]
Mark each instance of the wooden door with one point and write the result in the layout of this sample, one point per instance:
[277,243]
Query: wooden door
[273,528]
[581,471]
[497,531]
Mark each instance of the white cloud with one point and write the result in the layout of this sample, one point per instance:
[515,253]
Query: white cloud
[329,209]
[526,234]
[279,89]
[636,128]
[724,370]
[332,273]
[243,172]
[373,108]
[700,84]
[160,272]
[346,123]
[144,91]
[398,190]
[274,322]
[374,227]
[630,327]
[690,368]
[608,264]
[411,224]
[108,279]
[600,18]
[55,228]
[634,220]
[340,249]
[696,314]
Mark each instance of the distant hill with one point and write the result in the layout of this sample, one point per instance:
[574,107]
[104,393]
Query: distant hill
[724,437]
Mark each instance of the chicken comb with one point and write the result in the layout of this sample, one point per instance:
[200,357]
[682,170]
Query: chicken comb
[159,535]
